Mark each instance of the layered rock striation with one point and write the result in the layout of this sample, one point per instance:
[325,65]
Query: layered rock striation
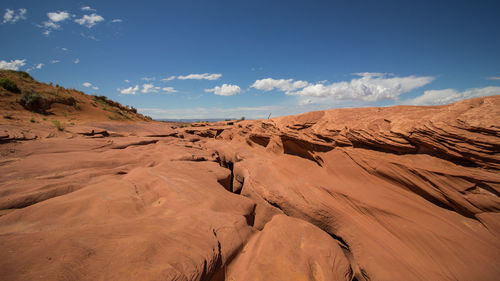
[397,193]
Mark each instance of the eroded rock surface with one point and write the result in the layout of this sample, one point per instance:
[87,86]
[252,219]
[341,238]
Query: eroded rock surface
[400,193]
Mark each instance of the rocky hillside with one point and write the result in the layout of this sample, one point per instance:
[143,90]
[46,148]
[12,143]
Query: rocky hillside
[23,98]
[400,193]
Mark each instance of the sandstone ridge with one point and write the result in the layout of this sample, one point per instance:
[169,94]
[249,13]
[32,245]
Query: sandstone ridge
[396,193]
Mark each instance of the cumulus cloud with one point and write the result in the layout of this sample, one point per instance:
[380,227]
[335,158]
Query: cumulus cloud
[493,78]
[205,76]
[117,21]
[76,61]
[87,8]
[54,61]
[370,87]
[89,20]
[58,16]
[225,90]
[126,81]
[169,78]
[372,74]
[33,67]
[12,65]
[149,88]
[89,85]
[284,85]
[169,90]
[55,18]
[10,16]
[447,96]
[129,91]
[50,25]
[148,78]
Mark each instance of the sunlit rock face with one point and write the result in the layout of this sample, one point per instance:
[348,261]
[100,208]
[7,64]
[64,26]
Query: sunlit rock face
[396,193]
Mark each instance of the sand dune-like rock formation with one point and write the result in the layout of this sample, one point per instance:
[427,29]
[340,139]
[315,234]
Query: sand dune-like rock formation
[399,193]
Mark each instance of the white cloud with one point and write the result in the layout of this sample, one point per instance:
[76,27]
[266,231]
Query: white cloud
[370,87]
[148,78]
[206,76]
[54,61]
[87,8]
[39,66]
[10,16]
[117,21]
[54,21]
[76,61]
[225,90]
[446,96]
[203,76]
[12,65]
[50,25]
[169,90]
[58,16]
[284,85]
[64,49]
[130,90]
[126,81]
[89,20]
[89,85]
[493,78]
[149,88]
[372,74]
[169,78]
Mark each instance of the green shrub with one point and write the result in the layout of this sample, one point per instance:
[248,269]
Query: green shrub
[60,126]
[21,74]
[66,100]
[113,106]
[9,85]
[32,101]
[115,117]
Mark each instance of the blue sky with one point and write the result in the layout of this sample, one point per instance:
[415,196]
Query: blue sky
[223,59]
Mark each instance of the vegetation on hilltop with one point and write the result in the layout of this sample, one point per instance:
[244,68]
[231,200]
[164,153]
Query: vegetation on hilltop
[20,91]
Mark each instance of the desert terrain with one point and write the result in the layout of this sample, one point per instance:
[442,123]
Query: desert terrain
[92,190]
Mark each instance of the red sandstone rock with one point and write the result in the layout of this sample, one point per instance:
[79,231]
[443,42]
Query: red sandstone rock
[400,193]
